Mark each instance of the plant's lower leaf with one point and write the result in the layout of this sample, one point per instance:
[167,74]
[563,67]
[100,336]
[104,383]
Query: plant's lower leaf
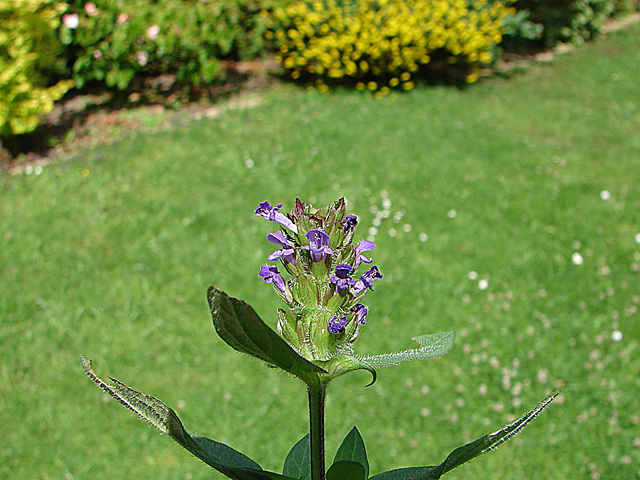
[241,328]
[298,461]
[352,448]
[431,346]
[346,470]
[469,451]
[223,458]
[410,473]
[492,441]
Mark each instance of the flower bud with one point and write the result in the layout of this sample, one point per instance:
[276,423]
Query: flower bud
[286,326]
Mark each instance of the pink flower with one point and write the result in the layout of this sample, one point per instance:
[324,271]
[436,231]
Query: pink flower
[91,9]
[122,18]
[142,57]
[153,31]
[71,20]
[97,54]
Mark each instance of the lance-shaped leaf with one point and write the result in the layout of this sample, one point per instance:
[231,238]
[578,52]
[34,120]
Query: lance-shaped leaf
[431,346]
[346,470]
[493,440]
[298,461]
[409,473]
[223,458]
[241,328]
[352,448]
[469,451]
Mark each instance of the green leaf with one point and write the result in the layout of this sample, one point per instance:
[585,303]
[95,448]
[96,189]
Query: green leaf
[434,345]
[352,448]
[469,451]
[223,458]
[346,470]
[343,363]
[410,473]
[492,441]
[298,463]
[124,77]
[241,328]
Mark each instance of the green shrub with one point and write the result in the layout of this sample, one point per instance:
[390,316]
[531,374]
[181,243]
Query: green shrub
[113,41]
[627,6]
[28,47]
[520,31]
[572,20]
[383,44]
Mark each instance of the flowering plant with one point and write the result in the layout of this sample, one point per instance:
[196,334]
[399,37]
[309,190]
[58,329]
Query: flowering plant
[118,42]
[29,52]
[383,45]
[316,331]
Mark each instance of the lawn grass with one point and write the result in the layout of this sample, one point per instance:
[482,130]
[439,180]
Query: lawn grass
[516,179]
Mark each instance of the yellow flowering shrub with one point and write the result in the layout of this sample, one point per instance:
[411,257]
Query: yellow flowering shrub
[28,44]
[380,45]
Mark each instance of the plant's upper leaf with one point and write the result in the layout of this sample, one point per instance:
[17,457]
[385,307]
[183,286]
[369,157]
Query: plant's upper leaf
[430,346]
[342,363]
[223,458]
[434,345]
[346,470]
[352,448]
[298,462]
[469,451]
[241,328]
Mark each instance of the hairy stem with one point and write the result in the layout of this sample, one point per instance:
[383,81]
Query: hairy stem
[317,395]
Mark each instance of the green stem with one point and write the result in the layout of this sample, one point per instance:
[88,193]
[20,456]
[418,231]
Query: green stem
[317,395]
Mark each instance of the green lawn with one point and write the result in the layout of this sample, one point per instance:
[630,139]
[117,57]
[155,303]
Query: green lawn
[532,182]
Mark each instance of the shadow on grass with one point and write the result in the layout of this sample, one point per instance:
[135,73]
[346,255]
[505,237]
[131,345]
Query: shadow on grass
[95,109]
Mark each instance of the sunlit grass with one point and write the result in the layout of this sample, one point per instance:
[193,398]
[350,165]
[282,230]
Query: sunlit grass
[508,211]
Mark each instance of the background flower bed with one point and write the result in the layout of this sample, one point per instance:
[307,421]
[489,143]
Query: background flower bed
[377,45]
[117,44]
[117,41]
[384,44]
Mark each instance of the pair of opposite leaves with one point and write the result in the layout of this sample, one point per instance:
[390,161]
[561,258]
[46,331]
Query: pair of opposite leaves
[240,327]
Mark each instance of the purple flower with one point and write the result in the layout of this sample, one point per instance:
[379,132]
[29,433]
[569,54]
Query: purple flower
[271,275]
[287,253]
[336,325]
[265,210]
[318,245]
[350,222]
[341,278]
[363,246]
[365,280]
[361,312]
